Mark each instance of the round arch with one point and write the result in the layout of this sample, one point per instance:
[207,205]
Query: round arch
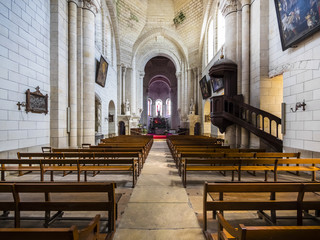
[156,32]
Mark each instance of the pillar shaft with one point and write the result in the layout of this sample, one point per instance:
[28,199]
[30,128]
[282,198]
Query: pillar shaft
[229,11]
[88,77]
[73,72]
[245,76]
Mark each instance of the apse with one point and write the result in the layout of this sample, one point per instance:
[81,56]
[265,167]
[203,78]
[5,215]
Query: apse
[160,95]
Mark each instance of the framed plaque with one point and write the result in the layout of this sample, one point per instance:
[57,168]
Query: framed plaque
[36,102]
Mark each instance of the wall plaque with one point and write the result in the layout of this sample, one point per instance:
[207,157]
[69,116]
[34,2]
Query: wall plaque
[36,102]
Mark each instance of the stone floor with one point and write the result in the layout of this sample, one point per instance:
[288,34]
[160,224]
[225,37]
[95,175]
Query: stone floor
[159,207]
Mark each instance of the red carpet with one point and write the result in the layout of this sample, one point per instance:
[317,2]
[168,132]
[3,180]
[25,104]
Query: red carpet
[159,136]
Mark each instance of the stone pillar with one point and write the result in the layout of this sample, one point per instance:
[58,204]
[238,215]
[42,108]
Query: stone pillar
[123,81]
[119,72]
[139,95]
[89,11]
[73,73]
[58,73]
[178,75]
[80,75]
[195,88]
[130,91]
[229,11]
[245,75]
[190,89]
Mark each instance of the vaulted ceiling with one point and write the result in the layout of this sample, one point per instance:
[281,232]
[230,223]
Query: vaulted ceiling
[137,17]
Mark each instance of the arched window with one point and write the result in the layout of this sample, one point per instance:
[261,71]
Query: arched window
[168,107]
[159,107]
[149,106]
[210,41]
[221,29]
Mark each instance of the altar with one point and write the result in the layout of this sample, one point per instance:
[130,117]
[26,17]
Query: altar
[159,125]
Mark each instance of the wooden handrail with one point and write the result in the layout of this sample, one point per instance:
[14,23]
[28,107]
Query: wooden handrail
[229,110]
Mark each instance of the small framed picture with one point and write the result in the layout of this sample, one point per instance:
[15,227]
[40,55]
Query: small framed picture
[205,88]
[216,84]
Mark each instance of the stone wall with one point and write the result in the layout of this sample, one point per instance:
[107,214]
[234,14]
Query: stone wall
[300,67]
[24,64]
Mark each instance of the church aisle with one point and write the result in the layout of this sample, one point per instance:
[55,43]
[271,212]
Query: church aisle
[159,207]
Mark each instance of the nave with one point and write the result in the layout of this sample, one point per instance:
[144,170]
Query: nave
[158,207]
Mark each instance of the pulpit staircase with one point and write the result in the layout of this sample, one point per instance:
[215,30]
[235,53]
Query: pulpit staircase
[226,111]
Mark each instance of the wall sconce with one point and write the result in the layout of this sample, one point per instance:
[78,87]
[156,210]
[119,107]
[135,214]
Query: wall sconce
[21,104]
[299,105]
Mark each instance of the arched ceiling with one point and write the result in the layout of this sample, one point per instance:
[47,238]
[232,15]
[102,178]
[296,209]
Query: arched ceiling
[139,17]
[160,69]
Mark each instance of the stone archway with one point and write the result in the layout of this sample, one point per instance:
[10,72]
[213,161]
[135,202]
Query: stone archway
[111,117]
[160,84]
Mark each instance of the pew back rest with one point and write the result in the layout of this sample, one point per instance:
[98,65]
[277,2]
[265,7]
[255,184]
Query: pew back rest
[91,232]
[40,233]
[265,232]
[279,232]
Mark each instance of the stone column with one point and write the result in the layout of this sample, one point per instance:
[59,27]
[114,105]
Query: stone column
[119,72]
[123,80]
[89,10]
[195,88]
[140,90]
[229,11]
[73,73]
[190,89]
[80,75]
[178,75]
[245,75]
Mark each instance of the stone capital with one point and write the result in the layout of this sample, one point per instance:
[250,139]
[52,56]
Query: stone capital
[245,2]
[141,74]
[178,75]
[91,5]
[228,6]
[74,1]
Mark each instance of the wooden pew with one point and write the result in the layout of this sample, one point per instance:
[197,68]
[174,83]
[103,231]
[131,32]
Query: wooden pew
[55,200]
[226,231]
[75,165]
[84,155]
[227,197]
[91,232]
[238,164]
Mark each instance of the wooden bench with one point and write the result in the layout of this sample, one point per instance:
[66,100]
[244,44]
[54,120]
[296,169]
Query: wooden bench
[250,164]
[94,149]
[226,231]
[74,165]
[84,155]
[231,197]
[55,198]
[91,232]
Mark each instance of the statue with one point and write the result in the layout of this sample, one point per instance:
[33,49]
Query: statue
[127,107]
[192,107]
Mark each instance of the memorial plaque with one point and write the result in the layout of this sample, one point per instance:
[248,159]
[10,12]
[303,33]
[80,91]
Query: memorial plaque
[36,102]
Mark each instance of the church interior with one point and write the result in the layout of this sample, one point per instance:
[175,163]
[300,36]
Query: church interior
[160,119]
